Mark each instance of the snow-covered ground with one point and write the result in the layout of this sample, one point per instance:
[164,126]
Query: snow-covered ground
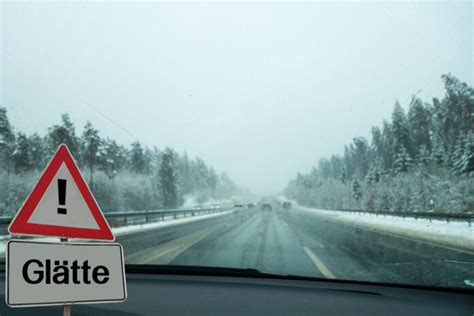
[125,230]
[454,233]
[191,201]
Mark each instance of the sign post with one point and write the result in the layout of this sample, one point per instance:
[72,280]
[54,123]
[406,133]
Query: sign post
[65,273]
[66,307]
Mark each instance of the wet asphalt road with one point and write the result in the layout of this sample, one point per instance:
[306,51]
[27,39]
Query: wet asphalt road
[291,242]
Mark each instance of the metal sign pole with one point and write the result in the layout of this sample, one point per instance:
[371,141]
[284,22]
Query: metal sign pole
[66,307]
[66,310]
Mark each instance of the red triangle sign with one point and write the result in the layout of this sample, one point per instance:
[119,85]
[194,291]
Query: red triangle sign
[61,204]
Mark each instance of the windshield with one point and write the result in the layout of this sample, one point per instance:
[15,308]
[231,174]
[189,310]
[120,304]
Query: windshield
[325,140]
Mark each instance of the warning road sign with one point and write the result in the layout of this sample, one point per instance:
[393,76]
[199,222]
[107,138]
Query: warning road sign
[61,204]
[41,273]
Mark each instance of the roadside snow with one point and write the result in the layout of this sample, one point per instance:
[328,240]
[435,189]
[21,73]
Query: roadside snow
[125,230]
[454,233]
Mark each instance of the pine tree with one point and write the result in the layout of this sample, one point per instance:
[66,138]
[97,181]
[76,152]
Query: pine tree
[361,156]
[377,148]
[438,153]
[212,180]
[168,180]
[91,149]
[463,160]
[199,174]
[356,190]
[148,157]
[419,125]
[403,161]
[348,159]
[388,146]
[424,157]
[325,168]
[343,176]
[7,141]
[38,153]
[459,106]
[64,134]
[184,171]
[337,166]
[401,133]
[114,158]
[22,155]
[137,161]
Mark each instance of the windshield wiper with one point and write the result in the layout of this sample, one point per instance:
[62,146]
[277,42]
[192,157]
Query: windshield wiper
[211,271]
[192,270]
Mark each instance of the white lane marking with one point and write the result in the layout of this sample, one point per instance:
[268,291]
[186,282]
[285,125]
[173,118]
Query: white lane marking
[320,245]
[176,246]
[319,264]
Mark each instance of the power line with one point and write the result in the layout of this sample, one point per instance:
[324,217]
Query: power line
[69,81]
[123,129]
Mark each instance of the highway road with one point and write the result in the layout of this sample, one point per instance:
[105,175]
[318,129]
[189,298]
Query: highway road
[291,242]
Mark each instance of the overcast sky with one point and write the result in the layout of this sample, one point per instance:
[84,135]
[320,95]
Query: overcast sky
[260,90]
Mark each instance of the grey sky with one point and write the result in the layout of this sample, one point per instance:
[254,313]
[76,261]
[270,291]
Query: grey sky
[260,90]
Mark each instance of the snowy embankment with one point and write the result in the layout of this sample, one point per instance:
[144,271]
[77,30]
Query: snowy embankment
[457,234]
[125,230]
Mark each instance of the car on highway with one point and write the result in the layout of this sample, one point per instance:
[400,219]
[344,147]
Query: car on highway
[286,205]
[266,207]
[250,205]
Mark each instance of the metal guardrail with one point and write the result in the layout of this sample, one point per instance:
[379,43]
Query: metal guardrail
[132,217]
[141,217]
[117,219]
[5,220]
[442,216]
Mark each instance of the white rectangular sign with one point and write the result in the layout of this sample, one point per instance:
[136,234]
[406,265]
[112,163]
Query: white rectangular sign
[42,273]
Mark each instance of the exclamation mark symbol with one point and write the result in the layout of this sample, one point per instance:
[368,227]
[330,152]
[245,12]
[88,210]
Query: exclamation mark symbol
[62,196]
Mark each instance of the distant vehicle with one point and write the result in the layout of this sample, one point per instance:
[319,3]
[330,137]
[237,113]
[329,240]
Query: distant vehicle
[266,206]
[286,205]
[238,206]
[250,205]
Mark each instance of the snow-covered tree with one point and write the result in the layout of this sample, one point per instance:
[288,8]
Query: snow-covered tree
[38,152]
[137,161]
[356,190]
[22,154]
[65,133]
[463,156]
[419,124]
[400,130]
[91,146]
[168,180]
[7,141]
[420,161]
[403,161]
[114,158]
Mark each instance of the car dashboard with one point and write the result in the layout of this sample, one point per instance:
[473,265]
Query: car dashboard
[193,294]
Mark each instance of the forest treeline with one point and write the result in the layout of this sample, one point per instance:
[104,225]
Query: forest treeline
[420,160]
[121,178]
